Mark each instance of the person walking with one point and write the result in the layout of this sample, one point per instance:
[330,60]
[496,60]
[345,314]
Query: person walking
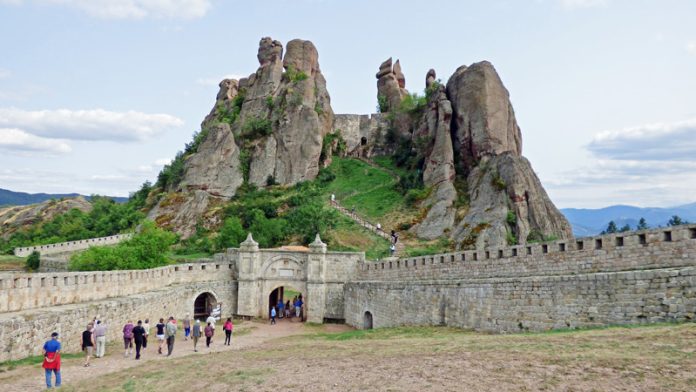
[209,332]
[51,362]
[211,320]
[100,337]
[159,329]
[228,330]
[287,309]
[187,327]
[128,339]
[196,334]
[138,333]
[146,327]
[170,331]
[392,249]
[88,343]
[273,315]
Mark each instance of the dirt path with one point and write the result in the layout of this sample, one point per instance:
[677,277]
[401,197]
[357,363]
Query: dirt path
[252,334]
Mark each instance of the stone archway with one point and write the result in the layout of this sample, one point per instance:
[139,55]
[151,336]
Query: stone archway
[288,293]
[204,305]
[367,320]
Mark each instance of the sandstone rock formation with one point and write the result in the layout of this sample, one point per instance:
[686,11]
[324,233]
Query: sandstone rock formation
[266,128]
[391,84]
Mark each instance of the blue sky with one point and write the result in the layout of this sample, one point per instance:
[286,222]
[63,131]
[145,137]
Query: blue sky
[96,95]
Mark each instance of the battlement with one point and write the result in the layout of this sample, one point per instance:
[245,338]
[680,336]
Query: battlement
[21,291]
[71,246]
[646,249]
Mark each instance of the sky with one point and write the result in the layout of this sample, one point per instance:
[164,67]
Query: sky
[97,95]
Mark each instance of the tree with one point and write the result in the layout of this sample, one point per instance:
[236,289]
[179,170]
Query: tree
[675,220]
[231,234]
[642,224]
[611,228]
[625,228]
[33,261]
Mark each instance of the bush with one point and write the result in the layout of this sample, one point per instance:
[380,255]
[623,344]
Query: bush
[256,128]
[267,232]
[413,104]
[497,182]
[311,219]
[382,104]
[231,234]
[511,218]
[325,176]
[145,249]
[416,195]
[294,75]
[33,261]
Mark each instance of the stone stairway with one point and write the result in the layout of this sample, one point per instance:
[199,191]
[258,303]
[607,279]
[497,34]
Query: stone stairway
[363,222]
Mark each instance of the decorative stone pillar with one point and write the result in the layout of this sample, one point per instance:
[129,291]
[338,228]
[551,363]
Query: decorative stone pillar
[316,288]
[248,263]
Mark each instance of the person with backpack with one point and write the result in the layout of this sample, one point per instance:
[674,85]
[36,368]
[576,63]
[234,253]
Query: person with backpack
[170,331]
[209,332]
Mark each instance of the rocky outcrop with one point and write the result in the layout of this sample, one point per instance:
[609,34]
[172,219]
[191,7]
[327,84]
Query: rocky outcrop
[266,128]
[391,85]
[484,120]
[438,169]
[16,218]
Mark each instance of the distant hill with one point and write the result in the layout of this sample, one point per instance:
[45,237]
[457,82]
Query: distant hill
[11,198]
[588,222]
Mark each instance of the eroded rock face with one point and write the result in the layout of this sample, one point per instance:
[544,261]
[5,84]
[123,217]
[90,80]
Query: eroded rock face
[391,84]
[438,170]
[484,120]
[268,126]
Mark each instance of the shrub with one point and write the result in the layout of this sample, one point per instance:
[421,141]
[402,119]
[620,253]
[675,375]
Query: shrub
[256,128]
[269,102]
[325,176]
[145,249]
[309,219]
[417,195]
[33,261]
[382,104]
[498,182]
[231,234]
[294,75]
[413,104]
[511,218]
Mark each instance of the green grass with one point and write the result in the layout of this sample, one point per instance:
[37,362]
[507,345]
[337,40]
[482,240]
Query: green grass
[347,236]
[424,248]
[369,190]
[391,333]
[188,257]
[10,262]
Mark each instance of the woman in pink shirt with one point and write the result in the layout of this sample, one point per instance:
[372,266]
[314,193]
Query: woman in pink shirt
[228,331]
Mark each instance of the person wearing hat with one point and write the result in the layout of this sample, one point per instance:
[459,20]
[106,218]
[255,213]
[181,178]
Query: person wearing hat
[51,363]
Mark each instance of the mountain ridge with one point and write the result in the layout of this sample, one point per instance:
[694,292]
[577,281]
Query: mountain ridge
[13,198]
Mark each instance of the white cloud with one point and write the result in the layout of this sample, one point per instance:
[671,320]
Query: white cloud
[691,47]
[571,4]
[659,141]
[216,81]
[134,9]
[16,140]
[96,124]
[5,73]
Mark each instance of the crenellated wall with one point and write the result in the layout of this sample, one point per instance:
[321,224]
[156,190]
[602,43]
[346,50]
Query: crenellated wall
[635,277]
[71,246]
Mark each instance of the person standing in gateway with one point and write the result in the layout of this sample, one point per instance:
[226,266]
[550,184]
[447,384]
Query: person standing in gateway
[51,363]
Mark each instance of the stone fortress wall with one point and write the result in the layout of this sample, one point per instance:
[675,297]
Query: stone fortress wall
[635,277]
[71,246]
[34,305]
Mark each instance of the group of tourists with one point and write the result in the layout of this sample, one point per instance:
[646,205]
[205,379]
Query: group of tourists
[93,340]
[288,310]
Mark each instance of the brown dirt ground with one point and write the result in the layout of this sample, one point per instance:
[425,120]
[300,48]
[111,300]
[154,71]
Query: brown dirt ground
[298,357]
